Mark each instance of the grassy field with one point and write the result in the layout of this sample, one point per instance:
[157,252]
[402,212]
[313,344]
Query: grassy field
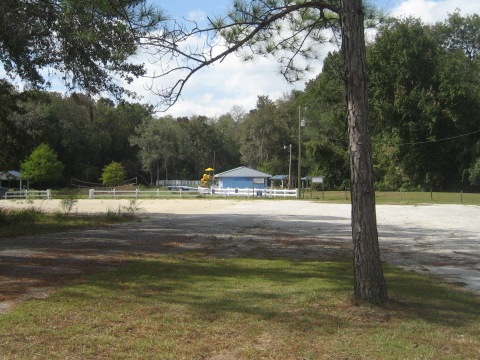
[196,307]
[383,197]
[34,221]
[400,198]
[193,306]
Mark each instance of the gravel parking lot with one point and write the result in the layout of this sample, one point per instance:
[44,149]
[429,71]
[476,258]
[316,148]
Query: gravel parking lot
[436,239]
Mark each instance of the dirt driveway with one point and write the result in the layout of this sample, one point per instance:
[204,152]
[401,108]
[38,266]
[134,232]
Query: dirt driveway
[438,239]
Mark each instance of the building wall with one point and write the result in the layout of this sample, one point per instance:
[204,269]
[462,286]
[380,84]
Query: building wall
[240,183]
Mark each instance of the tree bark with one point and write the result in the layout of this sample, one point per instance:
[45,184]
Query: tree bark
[368,273]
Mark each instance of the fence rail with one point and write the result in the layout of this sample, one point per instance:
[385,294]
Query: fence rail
[93,193]
[178,183]
[232,192]
[177,193]
[29,194]
[227,192]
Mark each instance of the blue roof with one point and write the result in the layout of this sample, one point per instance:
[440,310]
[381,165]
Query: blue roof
[279,177]
[243,172]
[12,174]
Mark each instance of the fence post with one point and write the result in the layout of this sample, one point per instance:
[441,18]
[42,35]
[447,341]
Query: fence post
[181,194]
[49,194]
[91,193]
[136,193]
[113,193]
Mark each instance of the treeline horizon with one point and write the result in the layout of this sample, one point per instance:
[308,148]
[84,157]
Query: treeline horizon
[424,97]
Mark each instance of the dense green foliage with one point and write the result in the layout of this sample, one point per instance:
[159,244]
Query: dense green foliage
[87,43]
[424,100]
[426,105]
[42,165]
[86,135]
[113,174]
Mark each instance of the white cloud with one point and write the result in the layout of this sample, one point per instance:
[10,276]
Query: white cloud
[431,11]
[234,82]
[197,16]
[215,90]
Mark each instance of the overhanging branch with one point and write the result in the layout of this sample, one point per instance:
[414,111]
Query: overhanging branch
[174,45]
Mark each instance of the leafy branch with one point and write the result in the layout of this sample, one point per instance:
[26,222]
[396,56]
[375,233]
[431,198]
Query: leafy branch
[257,28]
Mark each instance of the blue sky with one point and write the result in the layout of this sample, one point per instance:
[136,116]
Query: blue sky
[216,90]
[184,7]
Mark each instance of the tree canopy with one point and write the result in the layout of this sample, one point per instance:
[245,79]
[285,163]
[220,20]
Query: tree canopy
[42,165]
[88,134]
[425,101]
[87,43]
[113,174]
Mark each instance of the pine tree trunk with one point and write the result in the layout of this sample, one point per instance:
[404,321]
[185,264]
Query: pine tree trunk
[369,281]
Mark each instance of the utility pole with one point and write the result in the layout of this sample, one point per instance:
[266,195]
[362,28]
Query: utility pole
[301,122]
[289,167]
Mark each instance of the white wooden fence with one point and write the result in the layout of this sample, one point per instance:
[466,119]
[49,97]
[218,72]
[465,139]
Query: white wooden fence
[232,192]
[93,193]
[226,192]
[192,183]
[29,194]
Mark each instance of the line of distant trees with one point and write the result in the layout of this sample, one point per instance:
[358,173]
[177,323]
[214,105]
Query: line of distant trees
[424,84]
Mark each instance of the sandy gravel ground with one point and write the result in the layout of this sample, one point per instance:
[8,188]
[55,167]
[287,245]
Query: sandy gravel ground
[436,239]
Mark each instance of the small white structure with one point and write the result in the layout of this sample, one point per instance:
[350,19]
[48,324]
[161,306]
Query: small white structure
[12,175]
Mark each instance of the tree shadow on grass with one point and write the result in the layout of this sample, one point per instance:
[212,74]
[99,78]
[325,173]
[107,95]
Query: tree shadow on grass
[416,296]
[283,291]
[293,293]
[222,240]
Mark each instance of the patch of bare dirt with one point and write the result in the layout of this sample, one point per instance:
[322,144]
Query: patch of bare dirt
[34,266]
[418,238]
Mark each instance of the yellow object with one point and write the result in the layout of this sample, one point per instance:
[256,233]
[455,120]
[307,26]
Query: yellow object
[207,178]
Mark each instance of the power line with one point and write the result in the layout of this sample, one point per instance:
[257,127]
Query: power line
[439,140]
[418,142]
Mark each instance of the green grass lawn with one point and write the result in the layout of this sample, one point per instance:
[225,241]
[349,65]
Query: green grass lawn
[197,307]
[382,197]
[34,221]
[399,198]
